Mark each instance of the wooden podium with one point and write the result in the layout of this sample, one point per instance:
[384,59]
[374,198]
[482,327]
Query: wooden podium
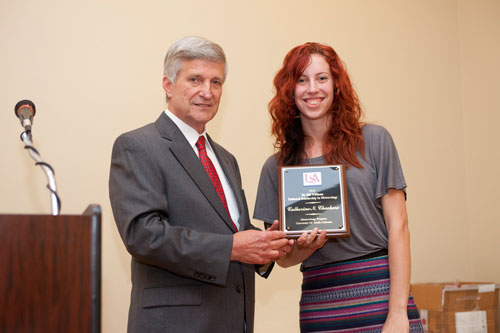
[50,272]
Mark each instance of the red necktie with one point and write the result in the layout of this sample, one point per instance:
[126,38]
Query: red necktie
[212,174]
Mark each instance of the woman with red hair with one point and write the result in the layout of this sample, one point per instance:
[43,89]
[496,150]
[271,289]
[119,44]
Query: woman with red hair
[360,283]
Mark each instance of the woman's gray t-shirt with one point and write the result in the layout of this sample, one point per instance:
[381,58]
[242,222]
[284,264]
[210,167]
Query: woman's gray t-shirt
[365,187]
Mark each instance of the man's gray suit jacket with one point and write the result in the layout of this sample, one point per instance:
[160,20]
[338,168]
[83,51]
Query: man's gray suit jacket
[179,234]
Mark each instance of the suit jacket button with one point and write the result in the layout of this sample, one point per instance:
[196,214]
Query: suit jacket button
[239,289]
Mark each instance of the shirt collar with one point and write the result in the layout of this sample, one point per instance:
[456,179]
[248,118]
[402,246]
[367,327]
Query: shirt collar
[189,133]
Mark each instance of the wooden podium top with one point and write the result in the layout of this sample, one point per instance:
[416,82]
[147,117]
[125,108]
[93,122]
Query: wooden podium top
[50,272]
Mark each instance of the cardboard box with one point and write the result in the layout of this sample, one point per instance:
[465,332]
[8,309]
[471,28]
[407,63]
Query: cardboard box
[457,307]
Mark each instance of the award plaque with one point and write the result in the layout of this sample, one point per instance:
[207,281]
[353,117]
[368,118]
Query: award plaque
[313,196]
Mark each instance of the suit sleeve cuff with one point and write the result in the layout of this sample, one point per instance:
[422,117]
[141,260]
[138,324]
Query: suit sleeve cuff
[264,270]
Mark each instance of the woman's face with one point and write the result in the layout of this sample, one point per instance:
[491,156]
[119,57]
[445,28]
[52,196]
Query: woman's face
[314,90]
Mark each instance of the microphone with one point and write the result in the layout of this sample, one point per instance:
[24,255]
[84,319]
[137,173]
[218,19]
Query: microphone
[25,110]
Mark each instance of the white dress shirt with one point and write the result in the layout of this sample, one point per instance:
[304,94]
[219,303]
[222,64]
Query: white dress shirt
[192,136]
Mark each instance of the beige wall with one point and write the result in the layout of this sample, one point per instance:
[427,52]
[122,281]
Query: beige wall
[427,70]
[480,90]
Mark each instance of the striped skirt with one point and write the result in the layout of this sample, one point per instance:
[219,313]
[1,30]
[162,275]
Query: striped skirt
[351,296]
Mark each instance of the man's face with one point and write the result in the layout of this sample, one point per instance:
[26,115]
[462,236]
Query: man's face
[194,97]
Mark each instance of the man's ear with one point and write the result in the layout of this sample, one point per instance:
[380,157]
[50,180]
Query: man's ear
[167,86]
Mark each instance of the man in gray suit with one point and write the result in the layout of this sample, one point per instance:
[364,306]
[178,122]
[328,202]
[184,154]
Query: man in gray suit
[181,211]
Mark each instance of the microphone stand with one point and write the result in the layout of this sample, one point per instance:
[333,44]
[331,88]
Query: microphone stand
[49,172]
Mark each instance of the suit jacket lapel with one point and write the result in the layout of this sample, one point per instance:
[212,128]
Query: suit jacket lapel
[187,158]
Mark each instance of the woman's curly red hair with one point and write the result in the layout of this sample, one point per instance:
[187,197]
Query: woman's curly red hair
[344,137]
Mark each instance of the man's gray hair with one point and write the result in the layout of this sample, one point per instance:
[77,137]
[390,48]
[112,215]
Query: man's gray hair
[189,48]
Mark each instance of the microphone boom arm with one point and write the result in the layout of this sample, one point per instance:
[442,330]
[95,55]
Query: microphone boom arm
[49,172]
